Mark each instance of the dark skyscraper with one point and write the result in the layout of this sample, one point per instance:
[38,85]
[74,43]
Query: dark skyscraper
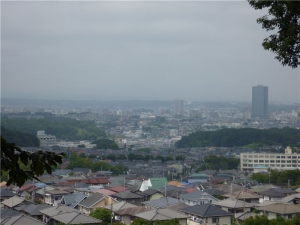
[260,102]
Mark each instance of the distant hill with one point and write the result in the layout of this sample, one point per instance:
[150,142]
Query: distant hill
[19,138]
[241,137]
[62,128]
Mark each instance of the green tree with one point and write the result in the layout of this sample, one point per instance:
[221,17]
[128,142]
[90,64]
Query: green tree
[102,214]
[284,18]
[21,165]
[140,221]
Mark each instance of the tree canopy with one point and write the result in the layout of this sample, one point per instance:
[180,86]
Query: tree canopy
[23,165]
[283,17]
[102,214]
[241,137]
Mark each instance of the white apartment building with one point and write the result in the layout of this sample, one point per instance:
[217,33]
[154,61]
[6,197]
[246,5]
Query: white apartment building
[46,139]
[284,161]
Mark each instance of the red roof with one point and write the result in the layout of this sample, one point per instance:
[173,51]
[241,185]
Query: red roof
[190,190]
[96,181]
[25,187]
[118,189]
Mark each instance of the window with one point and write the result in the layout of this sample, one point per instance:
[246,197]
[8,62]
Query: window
[215,220]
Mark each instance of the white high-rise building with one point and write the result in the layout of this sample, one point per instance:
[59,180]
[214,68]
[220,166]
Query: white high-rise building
[46,140]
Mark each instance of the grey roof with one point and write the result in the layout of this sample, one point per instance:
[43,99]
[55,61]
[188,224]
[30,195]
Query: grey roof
[12,217]
[126,195]
[52,211]
[161,214]
[7,193]
[75,218]
[73,199]
[234,203]
[206,210]
[92,200]
[13,201]
[149,192]
[84,170]
[61,171]
[57,192]
[162,202]
[32,210]
[290,198]
[8,213]
[41,191]
[284,190]
[196,195]
[120,205]
[273,193]
[214,192]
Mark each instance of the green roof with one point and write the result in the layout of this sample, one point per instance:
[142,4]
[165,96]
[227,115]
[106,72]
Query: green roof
[199,175]
[158,183]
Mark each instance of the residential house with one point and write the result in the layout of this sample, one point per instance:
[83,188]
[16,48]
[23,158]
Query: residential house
[163,215]
[164,202]
[151,194]
[198,177]
[118,189]
[72,200]
[197,198]
[207,214]
[275,194]
[12,217]
[279,209]
[105,192]
[235,206]
[82,171]
[127,215]
[96,181]
[33,210]
[5,194]
[292,199]
[119,205]
[128,196]
[94,201]
[53,197]
[154,183]
[244,196]
[215,192]
[67,215]
[15,201]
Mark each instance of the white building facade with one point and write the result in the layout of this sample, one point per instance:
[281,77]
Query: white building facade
[284,161]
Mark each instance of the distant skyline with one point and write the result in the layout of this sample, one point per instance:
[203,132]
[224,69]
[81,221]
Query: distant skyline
[197,51]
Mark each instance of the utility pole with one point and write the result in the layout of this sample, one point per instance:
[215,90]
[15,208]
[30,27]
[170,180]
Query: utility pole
[111,209]
[289,183]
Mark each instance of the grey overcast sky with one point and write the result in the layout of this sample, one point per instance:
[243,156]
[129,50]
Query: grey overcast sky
[207,51]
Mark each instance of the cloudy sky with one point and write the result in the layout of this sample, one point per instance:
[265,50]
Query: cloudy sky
[138,50]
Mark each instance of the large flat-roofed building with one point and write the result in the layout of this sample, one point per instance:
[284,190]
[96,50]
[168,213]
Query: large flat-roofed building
[46,140]
[284,161]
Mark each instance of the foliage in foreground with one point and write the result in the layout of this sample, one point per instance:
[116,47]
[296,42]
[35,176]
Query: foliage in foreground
[13,157]
[284,18]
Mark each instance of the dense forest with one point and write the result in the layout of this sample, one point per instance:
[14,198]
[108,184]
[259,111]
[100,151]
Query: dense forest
[278,177]
[19,138]
[82,162]
[62,128]
[241,137]
[106,144]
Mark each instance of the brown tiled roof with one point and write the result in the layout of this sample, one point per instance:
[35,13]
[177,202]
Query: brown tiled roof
[131,211]
[118,189]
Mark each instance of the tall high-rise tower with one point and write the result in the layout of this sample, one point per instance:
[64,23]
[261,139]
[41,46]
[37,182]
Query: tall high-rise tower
[178,107]
[260,102]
